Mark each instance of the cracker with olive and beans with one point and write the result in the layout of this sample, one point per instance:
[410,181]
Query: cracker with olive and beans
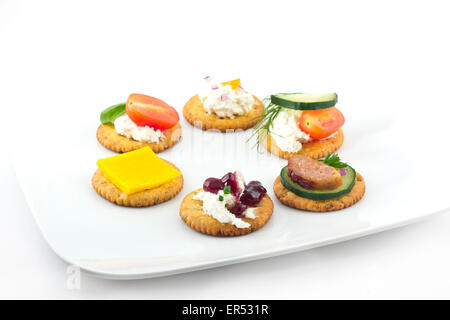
[191,211]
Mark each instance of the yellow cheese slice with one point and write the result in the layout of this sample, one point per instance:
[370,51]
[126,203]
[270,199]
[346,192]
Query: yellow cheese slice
[137,170]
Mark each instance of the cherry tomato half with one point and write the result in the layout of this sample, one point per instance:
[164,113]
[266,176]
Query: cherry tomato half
[149,111]
[320,124]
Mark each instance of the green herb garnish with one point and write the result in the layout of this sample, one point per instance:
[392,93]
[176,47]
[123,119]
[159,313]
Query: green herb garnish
[112,113]
[262,128]
[334,161]
[221,198]
[227,190]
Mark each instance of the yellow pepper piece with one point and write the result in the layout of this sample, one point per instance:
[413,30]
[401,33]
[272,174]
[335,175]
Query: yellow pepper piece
[233,83]
[137,170]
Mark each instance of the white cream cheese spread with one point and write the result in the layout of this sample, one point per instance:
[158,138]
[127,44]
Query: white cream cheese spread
[218,209]
[286,132]
[225,102]
[126,127]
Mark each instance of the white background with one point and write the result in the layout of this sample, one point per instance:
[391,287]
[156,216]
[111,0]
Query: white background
[382,53]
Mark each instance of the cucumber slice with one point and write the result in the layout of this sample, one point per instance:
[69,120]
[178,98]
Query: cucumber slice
[348,181]
[305,101]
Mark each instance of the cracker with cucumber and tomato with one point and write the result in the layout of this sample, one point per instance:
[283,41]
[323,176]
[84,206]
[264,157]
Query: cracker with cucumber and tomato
[140,122]
[318,185]
[300,123]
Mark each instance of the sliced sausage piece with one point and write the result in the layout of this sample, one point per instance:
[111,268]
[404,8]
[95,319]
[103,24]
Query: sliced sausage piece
[313,174]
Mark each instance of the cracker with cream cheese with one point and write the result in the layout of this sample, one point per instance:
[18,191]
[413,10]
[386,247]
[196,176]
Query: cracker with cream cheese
[191,211]
[195,114]
[109,138]
[315,149]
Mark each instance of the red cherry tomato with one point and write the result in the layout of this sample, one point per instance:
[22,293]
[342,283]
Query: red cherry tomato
[149,111]
[322,123]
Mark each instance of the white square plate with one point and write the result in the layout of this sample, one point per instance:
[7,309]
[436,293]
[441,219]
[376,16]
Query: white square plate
[403,185]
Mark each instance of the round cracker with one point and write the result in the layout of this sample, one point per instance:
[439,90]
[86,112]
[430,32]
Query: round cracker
[144,198]
[315,149]
[292,200]
[195,114]
[109,138]
[191,211]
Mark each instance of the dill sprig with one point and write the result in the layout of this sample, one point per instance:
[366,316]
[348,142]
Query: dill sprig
[334,161]
[262,128]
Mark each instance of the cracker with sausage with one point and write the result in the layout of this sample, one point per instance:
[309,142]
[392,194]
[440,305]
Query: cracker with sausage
[319,186]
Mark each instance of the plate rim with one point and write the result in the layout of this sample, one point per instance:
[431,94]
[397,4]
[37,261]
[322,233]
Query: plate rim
[225,261]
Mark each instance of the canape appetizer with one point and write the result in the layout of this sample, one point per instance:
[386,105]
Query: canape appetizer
[137,179]
[300,123]
[141,121]
[316,185]
[223,106]
[227,206]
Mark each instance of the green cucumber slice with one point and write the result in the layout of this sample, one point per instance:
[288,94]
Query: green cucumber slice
[348,181]
[305,101]
[112,113]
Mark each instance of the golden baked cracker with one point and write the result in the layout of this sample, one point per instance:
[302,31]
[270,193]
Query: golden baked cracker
[109,138]
[191,211]
[315,149]
[292,200]
[195,114]
[144,198]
